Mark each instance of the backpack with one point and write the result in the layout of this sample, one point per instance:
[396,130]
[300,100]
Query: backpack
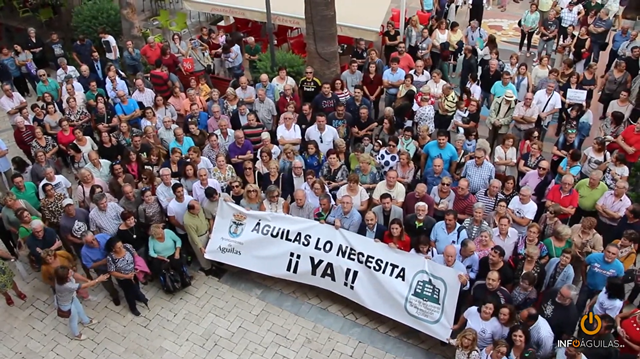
[170,281]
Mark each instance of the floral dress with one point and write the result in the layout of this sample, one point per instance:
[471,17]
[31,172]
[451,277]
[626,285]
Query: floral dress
[76,116]
[373,177]
[6,277]
[211,154]
[126,141]
[340,174]
[425,116]
[223,178]
[52,209]
[151,213]
[49,144]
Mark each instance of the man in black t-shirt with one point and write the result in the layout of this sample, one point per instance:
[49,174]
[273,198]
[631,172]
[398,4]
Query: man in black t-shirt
[340,120]
[633,62]
[491,288]
[548,34]
[309,86]
[362,126]
[326,101]
[360,54]
[558,308]
[495,262]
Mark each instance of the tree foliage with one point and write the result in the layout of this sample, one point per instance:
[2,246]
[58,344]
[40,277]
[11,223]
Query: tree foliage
[91,15]
[294,64]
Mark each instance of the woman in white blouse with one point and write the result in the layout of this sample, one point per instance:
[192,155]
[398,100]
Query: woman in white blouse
[474,88]
[541,71]
[281,80]
[610,300]
[163,109]
[436,84]
[357,193]
[506,157]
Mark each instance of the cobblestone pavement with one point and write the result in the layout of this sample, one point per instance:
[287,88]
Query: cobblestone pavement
[243,315]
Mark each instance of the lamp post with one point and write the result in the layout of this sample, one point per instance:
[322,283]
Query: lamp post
[272,41]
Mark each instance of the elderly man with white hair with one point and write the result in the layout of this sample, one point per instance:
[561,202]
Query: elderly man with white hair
[265,84]
[41,238]
[251,53]
[449,259]
[301,207]
[204,182]
[94,256]
[294,179]
[522,210]
[164,191]
[216,117]
[266,110]
[419,223]
[64,70]
[490,196]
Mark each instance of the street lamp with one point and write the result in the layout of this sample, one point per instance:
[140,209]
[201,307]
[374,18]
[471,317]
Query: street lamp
[272,41]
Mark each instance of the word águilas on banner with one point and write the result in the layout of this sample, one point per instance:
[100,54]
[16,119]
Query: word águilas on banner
[399,285]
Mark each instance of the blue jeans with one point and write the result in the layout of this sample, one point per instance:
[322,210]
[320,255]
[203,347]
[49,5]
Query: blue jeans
[596,47]
[176,81]
[389,99]
[486,98]
[77,315]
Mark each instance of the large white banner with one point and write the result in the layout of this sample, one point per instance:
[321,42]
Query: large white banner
[396,284]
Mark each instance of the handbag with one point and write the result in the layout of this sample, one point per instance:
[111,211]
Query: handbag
[64,313]
[540,120]
[188,65]
[585,55]
[141,267]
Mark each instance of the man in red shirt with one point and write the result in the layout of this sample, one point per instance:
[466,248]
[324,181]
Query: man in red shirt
[629,142]
[565,196]
[406,61]
[151,51]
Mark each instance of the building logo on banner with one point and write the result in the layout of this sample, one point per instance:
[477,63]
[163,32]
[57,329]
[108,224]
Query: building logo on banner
[236,227]
[426,297]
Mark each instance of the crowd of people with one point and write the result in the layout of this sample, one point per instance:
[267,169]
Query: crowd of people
[537,241]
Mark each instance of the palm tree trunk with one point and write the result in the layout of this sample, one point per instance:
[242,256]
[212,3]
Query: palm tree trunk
[322,38]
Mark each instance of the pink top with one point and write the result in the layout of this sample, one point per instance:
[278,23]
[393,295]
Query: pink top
[65,140]
[177,102]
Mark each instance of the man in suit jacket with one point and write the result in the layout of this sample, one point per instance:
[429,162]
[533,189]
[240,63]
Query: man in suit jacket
[292,180]
[387,211]
[98,66]
[370,227]
[419,223]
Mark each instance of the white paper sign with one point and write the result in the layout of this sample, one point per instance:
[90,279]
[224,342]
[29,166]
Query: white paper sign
[400,285]
[576,96]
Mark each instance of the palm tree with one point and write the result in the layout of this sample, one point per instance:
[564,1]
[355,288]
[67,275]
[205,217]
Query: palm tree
[322,37]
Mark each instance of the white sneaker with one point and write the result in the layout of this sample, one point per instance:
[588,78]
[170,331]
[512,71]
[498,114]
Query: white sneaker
[91,323]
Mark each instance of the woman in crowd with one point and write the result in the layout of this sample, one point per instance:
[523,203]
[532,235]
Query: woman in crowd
[616,80]
[150,211]
[342,152]
[125,133]
[541,71]
[372,84]
[368,173]
[175,163]
[484,242]
[11,205]
[507,316]
[198,136]
[506,157]
[148,179]
[559,240]
[462,157]
[273,177]
[78,116]
[149,118]
[52,119]
[84,143]
[532,239]
[594,157]
[358,194]
[529,136]
[45,143]
[251,198]
[529,161]
[627,324]
[391,40]
[289,154]
[53,259]
[388,157]
[188,177]
[133,163]
[615,170]
[483,320]
[41,162]
[164,109]
[519,342]
[500,211]
[223,172]
[121,265]
[385,132]
[509,188]
[396,237]
[250,175]
[131,233]
[559,272]
[528,26]
[51,206]
[333,172]
[475,224]
[443,197]
[283,79]
[550,221]
[274,203]
[338,88]
[95,189]
[406,169]
[25,219]
[530,262]
[466,344]
[436,84]
[609,301]
[176,101]
[312,157]
[497,350]
[165,250]
[67,302]
[585,241]
[109,148]
[87,179]
[522,80]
